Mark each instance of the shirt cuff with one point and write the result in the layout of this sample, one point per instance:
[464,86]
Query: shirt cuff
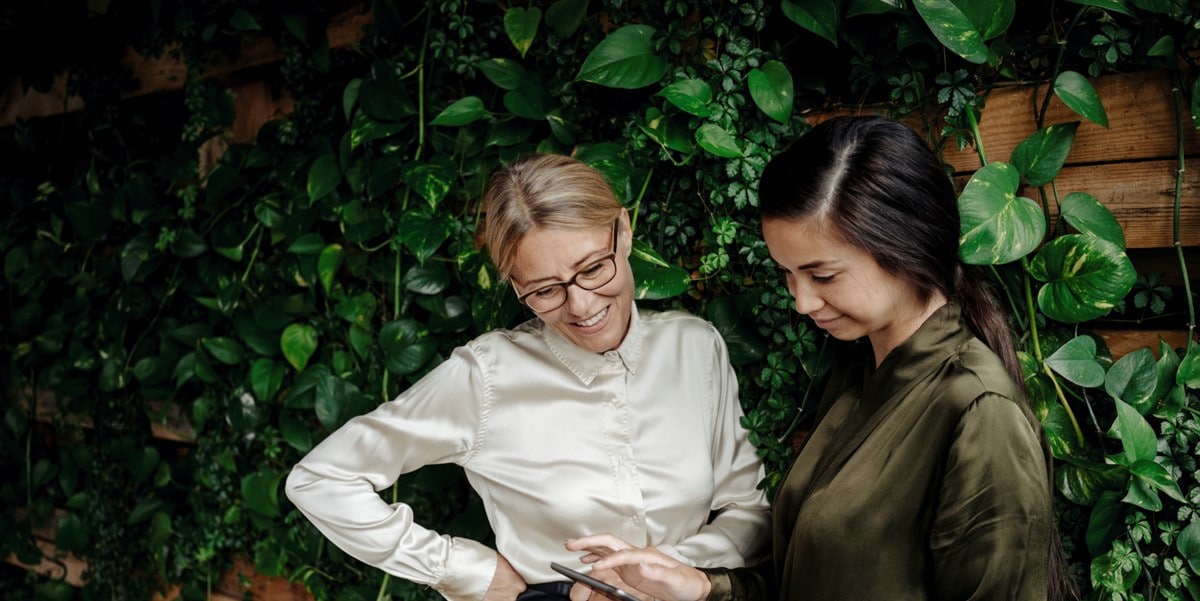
[721,585]
[469,571]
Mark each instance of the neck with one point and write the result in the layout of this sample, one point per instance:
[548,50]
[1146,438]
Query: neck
[883,343]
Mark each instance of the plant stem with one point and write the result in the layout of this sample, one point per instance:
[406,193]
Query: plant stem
[1058,62]
[1012,302]
[1183,267]
[637,202]
[1037,352]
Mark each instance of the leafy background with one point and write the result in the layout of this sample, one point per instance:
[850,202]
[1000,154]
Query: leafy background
[305,276]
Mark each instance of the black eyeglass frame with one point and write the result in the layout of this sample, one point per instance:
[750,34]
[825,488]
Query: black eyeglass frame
[574,281]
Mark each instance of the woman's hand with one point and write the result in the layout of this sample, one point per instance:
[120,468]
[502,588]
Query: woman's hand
[506,582]
[648,570]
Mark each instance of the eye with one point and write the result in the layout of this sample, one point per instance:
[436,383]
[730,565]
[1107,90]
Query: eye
[593,269]
[545,293]
[822,279]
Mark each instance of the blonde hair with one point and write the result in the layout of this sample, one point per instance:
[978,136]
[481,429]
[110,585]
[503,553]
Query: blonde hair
[543,191]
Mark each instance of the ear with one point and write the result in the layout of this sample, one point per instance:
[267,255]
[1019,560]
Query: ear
[625,236]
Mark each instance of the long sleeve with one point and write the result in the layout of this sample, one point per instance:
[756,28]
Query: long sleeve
[993,517]
[751,583]
[336,485]
[740,530]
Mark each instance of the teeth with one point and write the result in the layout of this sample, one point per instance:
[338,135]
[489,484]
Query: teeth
[594,320]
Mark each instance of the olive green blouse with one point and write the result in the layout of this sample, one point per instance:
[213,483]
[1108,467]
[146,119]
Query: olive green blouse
[925,478]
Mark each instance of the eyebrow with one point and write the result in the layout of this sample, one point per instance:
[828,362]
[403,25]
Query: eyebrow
[587,259]
[806,266]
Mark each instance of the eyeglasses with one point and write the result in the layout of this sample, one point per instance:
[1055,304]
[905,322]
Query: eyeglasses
[553,296]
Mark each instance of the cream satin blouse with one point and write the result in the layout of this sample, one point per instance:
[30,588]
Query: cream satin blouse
[559,442]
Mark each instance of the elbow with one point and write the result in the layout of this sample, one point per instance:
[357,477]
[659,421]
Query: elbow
[297,484]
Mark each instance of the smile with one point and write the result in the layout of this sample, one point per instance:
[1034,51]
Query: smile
[593,320]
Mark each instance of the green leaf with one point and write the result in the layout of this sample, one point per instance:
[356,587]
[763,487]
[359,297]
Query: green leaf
[428,279]
[431,180]
[1163,48]
[225,350]
[422,232]
[1113,5]
[1189,368]
[565,16]
[1106,522]
[323,177]
[625,59]
[733,316]
[1188,544]
[295,431]
[385,98]
[690,95]
[1081,481]
[1085,277]
[328,262]
[461,112]
[266,378]
[529,100]
[188,244]
[298,342]
[1158,478]
[71,534]
[1133,379]
[771,89]
[310,243]
[1041,156]
[874,7]
[1089,216]
[244,21]
[1137,437]
[817,16]
[610,160]
[953,29]
[718,141]
[1112,572]
[1077,93]
[990,17]
[1166,7]
[365,129]
[406,345]
[521,25]
[997,226]
[260,491]
[1076,361]
[654,277]
[506,74]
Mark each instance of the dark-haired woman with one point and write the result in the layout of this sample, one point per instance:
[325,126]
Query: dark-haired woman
[926,475]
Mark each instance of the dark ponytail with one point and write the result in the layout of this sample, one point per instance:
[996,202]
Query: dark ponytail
[987,318]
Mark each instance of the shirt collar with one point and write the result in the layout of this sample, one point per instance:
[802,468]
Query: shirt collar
[585,364]
[939,337]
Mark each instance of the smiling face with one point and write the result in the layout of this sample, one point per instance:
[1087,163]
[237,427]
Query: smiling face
[595,320]
[842,288]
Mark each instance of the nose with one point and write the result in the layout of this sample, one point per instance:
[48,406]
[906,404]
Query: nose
[806,301]
[578,299]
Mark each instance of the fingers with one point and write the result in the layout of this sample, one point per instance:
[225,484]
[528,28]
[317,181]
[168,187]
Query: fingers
[600,544]
[642,558]
[580,592]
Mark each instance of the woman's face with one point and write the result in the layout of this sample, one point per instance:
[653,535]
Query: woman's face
[842,288]
[595,320]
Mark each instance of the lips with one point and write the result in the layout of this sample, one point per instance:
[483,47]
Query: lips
[593,320]
[824,324]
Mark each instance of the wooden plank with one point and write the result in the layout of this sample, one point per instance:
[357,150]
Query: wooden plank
[1142,198]
[256,104]
[54,565]
[167,421]
[1141,123]
[1123,342]
[167,72]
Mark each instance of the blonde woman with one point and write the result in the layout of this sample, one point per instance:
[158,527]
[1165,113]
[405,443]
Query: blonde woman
[591,417]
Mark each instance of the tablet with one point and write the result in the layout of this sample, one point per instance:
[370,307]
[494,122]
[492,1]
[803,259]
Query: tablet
[599,585]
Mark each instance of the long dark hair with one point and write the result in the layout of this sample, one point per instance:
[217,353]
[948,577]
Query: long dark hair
[879,185]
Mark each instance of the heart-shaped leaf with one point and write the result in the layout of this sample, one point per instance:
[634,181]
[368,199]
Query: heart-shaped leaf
[1137,437]
[718,141]
[771,89]
[1076,361]
[224,349]
[817,16]
[1078,93]
[406,345]
[1082,481]
[997,226]
[1133,379]
[1087,215]
[422,232]
[951,26]
[654,277]
[505,73]
[1106,522]
[1085,277]
[298,342]
[266,378]
[1189,368]
[691,95]
[521,25]
[260,491]
[565,16]
[463,111]
[323,177]
[624,59]
[1041,156]
[328,262]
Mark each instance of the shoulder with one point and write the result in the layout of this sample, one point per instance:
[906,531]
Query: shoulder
[677,322]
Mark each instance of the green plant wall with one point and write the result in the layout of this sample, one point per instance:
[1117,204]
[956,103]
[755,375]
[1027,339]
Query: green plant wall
[314,273]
